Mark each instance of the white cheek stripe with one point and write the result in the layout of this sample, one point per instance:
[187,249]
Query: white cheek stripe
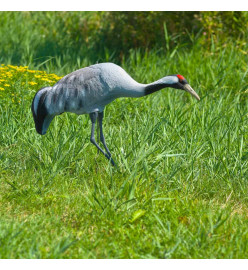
[168,80]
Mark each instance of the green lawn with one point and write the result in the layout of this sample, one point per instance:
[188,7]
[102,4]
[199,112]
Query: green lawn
[180,189]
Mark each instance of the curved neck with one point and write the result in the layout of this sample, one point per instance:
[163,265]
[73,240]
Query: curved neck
[154,87]
[141,90]
[168,81]
[135,89]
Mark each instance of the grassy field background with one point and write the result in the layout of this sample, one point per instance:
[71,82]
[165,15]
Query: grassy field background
[180,189]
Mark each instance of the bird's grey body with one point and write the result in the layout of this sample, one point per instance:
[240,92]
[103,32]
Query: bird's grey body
[89,90]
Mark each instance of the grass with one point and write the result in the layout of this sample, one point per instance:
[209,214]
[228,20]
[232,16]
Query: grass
[180,190]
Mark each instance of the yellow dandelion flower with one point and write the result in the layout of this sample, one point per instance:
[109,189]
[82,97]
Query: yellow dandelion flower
[31,71]
[6,85]
[32,83]
[1,88]
[21,70]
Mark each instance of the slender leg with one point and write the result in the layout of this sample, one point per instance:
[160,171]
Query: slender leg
[98,133]
[93,117]
[102,139]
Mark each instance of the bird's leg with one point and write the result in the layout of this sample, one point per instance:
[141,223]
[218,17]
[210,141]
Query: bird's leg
[102,139]
[93,117]
[98,133]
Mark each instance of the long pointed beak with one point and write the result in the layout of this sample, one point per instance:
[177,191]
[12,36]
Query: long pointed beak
[189,89]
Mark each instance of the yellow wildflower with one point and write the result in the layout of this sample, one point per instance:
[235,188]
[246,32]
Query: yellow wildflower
[32,83]
[1,88]
[6,84]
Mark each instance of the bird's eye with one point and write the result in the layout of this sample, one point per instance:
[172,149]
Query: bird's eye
[180,77]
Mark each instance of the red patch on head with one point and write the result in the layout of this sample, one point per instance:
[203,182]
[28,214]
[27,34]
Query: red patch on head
[180,77]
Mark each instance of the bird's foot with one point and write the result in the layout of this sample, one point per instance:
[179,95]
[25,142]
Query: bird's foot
[111,160]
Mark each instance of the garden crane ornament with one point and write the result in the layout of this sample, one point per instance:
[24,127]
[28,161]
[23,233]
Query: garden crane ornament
[89,90]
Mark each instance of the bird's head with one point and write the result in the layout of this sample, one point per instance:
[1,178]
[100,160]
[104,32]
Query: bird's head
[42,118]
[174,81]
[181,83]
